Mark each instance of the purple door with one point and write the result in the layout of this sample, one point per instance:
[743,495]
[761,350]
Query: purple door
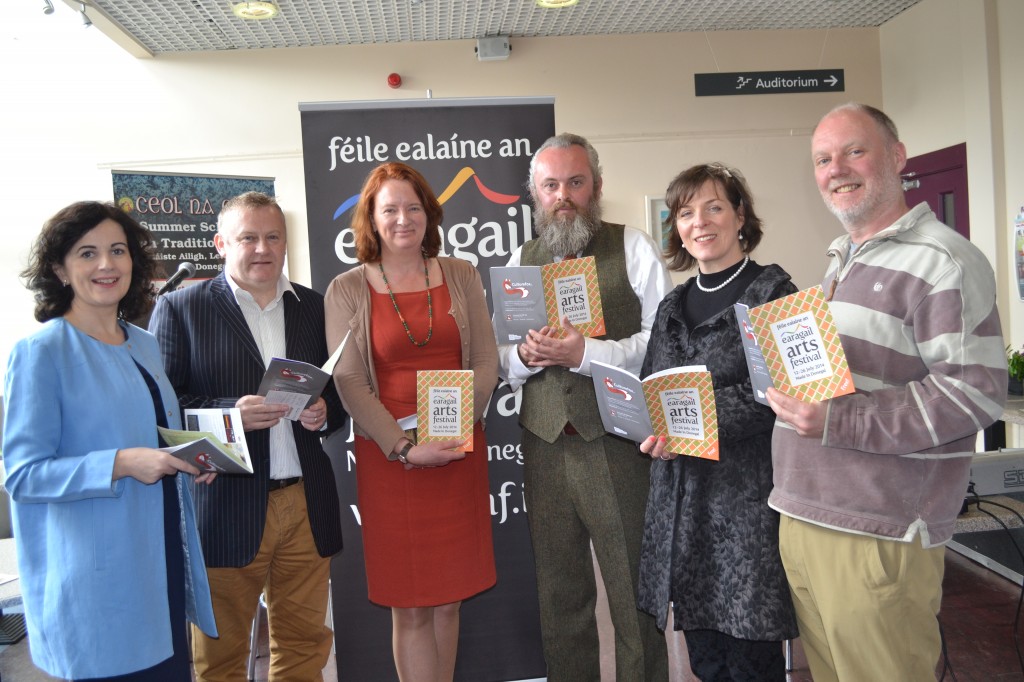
[940,178]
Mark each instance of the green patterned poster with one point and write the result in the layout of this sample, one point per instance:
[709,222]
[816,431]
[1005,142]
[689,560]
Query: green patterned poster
[181,213]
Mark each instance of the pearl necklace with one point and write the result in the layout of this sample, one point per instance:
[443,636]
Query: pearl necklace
[746,259]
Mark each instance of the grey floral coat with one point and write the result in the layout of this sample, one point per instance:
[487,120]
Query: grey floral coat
[711,543]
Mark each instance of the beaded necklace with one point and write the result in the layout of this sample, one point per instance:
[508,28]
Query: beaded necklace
[430,307]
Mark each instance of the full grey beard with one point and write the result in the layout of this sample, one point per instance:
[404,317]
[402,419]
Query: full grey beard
[564,237]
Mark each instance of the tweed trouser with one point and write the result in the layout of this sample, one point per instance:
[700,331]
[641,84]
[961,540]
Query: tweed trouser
[578,493]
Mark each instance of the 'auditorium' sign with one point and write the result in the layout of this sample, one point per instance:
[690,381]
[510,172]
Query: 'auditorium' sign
[768,82]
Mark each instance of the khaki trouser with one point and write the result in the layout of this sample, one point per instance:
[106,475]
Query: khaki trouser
[296,579]
[867,608]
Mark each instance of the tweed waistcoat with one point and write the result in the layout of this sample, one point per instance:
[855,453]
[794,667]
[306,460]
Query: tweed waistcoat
[556,396]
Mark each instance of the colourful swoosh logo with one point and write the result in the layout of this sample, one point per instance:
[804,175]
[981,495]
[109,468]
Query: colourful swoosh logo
[489,194]
[457,182]
[511,290]
[612,388]
[289,374]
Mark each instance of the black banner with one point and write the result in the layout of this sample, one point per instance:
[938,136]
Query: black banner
[475,154]
[768,82]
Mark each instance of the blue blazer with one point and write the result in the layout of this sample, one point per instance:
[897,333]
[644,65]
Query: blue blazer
[212,360]
[91,553]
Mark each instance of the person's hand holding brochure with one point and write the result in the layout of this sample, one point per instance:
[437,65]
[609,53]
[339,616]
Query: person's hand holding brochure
[297,384]
[677,403]
[529,297]
[212,442]
[792,343]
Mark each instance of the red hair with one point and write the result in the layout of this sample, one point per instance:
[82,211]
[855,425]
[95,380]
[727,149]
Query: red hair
[367,241]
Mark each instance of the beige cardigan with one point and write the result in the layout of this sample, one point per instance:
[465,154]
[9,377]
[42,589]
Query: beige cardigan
[347,307]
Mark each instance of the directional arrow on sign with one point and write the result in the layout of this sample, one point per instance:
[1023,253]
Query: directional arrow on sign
[768,82]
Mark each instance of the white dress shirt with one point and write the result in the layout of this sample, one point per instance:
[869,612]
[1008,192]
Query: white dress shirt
[267,327]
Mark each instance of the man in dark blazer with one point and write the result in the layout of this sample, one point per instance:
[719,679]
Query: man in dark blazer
[277,529]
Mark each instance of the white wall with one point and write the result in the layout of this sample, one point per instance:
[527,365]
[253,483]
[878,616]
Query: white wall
[951,73]
[75,106]
[1010,16]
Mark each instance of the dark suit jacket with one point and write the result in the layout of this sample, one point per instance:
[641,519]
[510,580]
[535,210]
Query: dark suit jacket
[212,360]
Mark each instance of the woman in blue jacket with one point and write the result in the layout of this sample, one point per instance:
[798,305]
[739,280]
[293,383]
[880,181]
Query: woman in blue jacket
[108,553]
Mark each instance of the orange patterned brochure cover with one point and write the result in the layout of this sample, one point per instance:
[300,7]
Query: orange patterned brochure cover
[571,290]
[678,403]
[444,406]
[801,346]
[682,407]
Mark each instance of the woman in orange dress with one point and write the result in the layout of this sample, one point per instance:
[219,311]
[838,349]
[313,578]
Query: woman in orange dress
[425,508]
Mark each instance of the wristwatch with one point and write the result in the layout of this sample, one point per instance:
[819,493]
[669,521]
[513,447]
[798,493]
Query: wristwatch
[401,455]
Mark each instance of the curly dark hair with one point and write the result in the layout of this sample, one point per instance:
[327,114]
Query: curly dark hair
[685,185]
[61,232]
[368,241]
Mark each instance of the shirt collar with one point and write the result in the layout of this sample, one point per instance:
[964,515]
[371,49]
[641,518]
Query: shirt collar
[905,222]
[240,294]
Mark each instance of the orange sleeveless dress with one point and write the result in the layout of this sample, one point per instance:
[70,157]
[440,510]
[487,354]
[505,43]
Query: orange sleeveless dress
[426,532]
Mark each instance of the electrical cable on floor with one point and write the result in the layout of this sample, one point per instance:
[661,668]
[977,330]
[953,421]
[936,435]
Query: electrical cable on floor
[946,665]
[1020,601]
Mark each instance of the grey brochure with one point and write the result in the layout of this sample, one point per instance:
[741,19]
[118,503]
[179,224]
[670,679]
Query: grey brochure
[760,380]
[517,294]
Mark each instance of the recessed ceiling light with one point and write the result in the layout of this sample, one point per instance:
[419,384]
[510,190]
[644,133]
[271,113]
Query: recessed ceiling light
[555,4]
[261,9]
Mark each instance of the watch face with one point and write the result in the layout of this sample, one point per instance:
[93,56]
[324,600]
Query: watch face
[404,453]
[400,455]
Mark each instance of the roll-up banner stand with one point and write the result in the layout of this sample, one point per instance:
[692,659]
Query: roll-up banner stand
[475,153]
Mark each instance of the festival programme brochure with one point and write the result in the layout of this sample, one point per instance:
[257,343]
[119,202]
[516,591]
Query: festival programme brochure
[517,295]
[529,297]
[678,403]
[297,384]
[800,346]
[757,368]
[444,406]
[213,440]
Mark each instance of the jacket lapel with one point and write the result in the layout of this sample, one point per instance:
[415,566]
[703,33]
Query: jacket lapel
[231,315]
[295,339]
